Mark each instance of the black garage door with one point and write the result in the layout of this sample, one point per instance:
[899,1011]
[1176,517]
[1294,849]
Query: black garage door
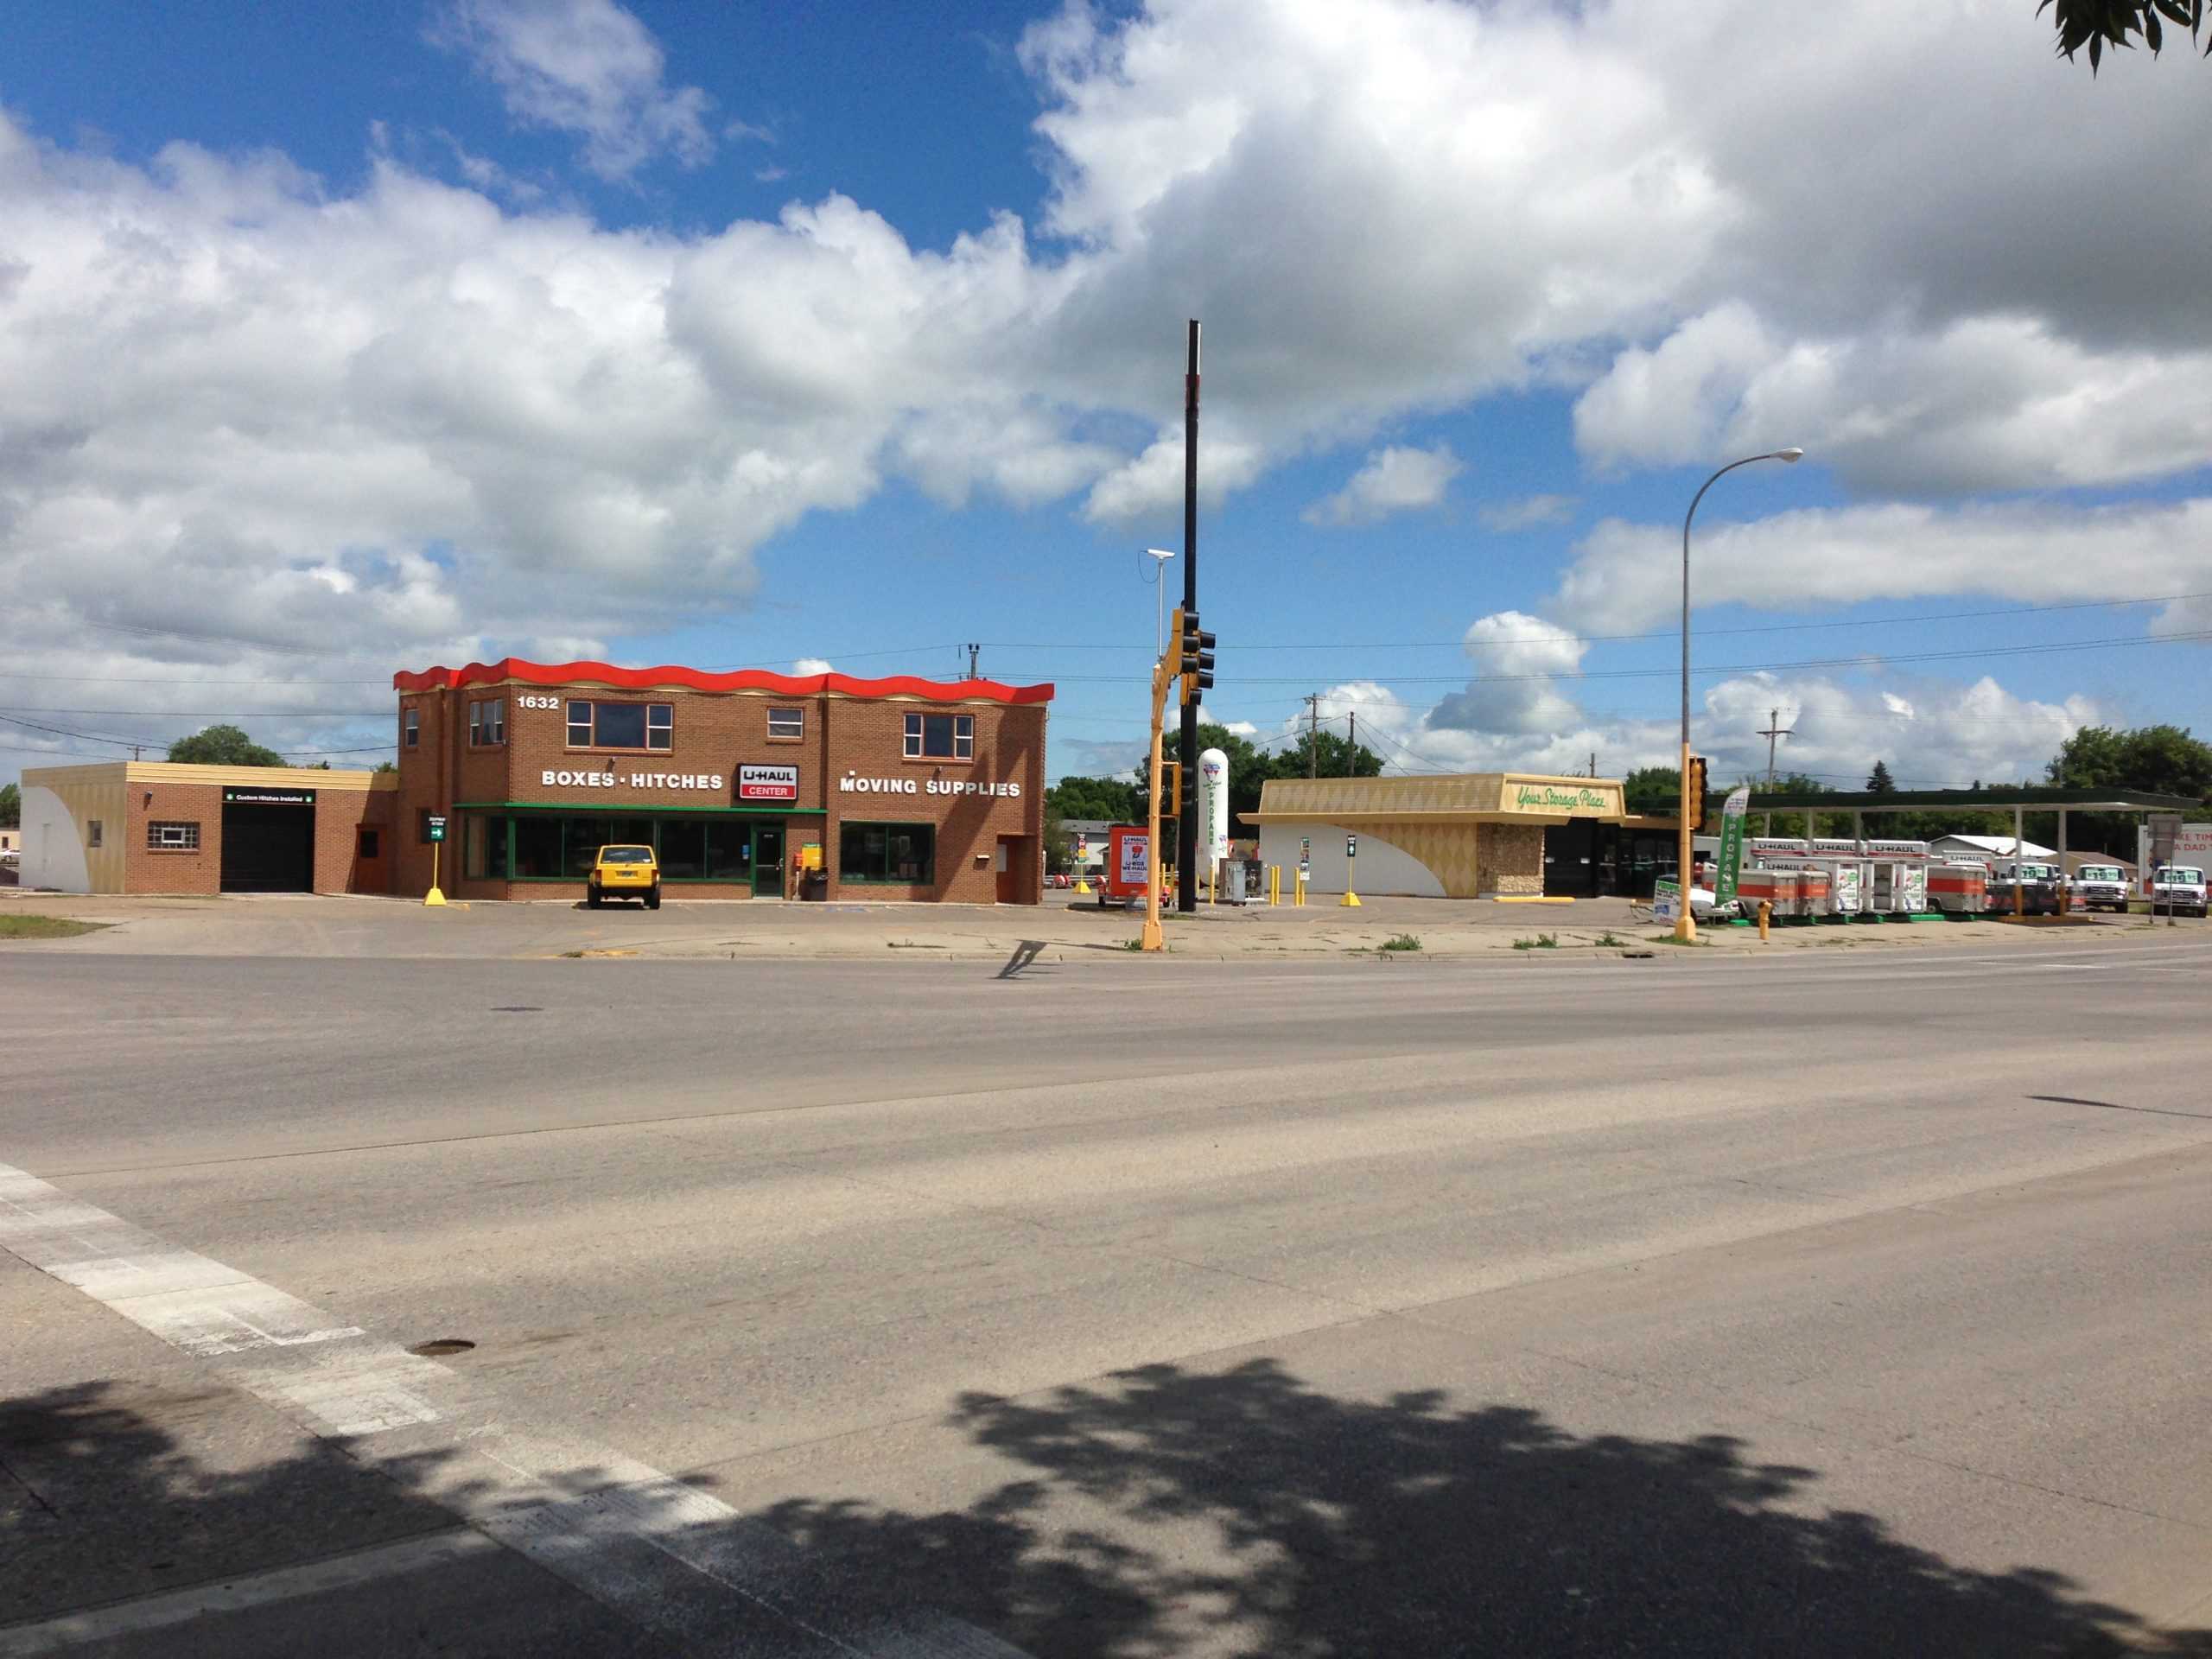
[267,840]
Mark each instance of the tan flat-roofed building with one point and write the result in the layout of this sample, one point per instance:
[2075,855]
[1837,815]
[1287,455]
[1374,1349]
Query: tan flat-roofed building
[1483,834]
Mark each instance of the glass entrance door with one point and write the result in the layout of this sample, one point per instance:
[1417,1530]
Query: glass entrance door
[768,860]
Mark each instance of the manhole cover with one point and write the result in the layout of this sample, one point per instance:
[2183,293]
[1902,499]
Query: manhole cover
[441,1347]
[518,1008]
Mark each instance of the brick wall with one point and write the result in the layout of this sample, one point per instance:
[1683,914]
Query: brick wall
[147,871]
[339,816]
[714,734]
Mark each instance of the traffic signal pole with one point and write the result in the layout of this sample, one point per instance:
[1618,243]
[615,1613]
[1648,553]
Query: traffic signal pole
[1186,825]
[1151,938]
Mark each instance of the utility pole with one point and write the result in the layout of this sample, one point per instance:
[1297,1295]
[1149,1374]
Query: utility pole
[972,650]
[1313,734]
[1593,763]
[1773,730]
[1351,759]
[1187,827]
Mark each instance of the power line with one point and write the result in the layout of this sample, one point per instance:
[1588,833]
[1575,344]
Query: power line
[1664,633]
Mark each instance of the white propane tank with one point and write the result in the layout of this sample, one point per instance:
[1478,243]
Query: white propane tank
[1213,807]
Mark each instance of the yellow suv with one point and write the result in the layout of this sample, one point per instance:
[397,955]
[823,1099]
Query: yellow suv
[624,873]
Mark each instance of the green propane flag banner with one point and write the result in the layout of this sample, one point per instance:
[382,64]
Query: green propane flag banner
[1732,843]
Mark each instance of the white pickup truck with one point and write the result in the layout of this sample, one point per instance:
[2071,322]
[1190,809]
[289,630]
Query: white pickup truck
[2100,886]
[2178,889]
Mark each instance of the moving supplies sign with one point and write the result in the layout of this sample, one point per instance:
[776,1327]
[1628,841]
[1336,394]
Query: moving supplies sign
[767,782]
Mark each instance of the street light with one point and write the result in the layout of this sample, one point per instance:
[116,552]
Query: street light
[1160,581]
[1685,924]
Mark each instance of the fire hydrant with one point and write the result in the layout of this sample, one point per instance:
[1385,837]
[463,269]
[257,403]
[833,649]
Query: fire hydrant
[1766,914]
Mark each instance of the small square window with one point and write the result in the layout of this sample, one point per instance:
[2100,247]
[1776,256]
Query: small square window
[365,843]
[660,724]
[95,832]
[580,725]
[786,724]
[412,727]
[173,837]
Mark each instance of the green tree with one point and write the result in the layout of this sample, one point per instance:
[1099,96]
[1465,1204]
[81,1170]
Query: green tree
[1879,781]
[1653,788]
[11,807]
[222,746]
[1059,856]
[1333,757]
[2156,759]
[387,766]
[2096,24]
[1113,799]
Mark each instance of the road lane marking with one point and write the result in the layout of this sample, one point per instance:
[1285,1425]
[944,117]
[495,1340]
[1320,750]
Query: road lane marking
[175,1607]
[662,1554]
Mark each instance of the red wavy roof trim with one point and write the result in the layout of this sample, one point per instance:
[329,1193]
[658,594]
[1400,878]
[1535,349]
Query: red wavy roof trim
[744,679]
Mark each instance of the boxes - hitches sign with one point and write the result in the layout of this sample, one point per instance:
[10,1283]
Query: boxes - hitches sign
[767,782]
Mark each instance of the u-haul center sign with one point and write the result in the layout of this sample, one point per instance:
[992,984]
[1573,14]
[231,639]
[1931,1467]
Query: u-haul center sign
[767,782]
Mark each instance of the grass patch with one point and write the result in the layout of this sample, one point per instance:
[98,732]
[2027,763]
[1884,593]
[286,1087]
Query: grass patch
[1399,942]
[1541,942]
[1610,940]
[45,927]
[1669,938]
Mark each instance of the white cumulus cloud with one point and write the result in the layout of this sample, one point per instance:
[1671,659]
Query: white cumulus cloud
[585,67]
[1398,479]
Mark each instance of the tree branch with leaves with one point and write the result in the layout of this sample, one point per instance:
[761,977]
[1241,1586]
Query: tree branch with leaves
[2098,23]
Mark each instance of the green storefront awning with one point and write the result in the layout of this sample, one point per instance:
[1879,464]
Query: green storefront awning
[578,809]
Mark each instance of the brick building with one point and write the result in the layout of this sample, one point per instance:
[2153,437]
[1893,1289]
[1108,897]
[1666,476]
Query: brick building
[746,784]
[147,826]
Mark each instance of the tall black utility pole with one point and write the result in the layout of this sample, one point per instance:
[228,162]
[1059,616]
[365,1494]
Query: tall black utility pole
[1187,827]
[972,650]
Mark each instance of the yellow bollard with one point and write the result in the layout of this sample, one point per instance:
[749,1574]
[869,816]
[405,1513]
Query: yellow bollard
[1274,883]
[1350,899]
[1766,912]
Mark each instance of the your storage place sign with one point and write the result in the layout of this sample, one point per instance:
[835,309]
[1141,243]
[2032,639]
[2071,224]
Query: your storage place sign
[1558,798]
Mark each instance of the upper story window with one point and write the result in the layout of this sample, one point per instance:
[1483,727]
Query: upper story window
[411,729]
[940,737]
[786,725]
[621,725]
[488,723]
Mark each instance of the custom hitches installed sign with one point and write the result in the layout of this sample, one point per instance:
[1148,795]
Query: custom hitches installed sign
[767,782]
[269,797]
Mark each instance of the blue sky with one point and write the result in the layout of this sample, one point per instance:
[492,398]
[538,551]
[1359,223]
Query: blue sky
[748,334]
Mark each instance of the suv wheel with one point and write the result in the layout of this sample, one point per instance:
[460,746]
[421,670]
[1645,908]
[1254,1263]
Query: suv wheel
[652,896]
[591,891]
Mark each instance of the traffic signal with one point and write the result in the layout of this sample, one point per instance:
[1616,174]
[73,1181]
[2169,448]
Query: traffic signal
[1697,794]
[1194,655]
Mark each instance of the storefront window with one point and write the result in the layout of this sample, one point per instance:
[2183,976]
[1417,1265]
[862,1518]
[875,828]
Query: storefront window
[729,849]
[538,846]
[683,849]
[548,847]
[905,853]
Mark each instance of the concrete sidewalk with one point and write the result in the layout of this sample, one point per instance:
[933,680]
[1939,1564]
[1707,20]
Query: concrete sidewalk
[1067,927]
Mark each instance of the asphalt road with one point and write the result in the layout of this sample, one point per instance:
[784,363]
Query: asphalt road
[1832,1305]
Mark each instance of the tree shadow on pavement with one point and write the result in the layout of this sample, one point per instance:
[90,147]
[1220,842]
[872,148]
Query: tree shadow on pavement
[1247,1513]
[110,1490]
[1159,1512]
